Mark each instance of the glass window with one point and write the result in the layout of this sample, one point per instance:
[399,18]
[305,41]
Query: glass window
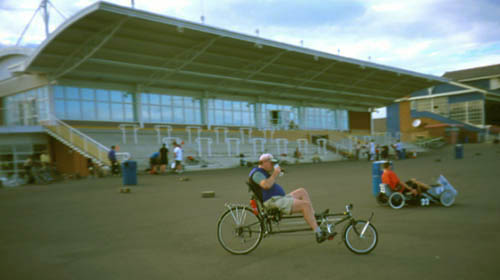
[228,119]
[144,98]
[145,113]
[103,111]
[178,115]
[87,94]
[58,92]
[128,97]
[72,93]
[219,117]
[166,100]
[59,109]
[116,96]
[73,110]
[88,108]
[177,100]
[117,111]
[166,114]
[219,104]
[189,115]
[154,99]
[102,95]
[155,113]
[129,112]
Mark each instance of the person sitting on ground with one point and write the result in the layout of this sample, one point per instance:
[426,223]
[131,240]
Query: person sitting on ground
[391,179]
[154,160]
[264,177]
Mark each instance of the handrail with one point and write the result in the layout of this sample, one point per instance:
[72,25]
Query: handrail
[57,123]
[72,129]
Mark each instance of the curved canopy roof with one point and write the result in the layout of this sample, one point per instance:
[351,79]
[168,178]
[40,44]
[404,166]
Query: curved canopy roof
[106,42]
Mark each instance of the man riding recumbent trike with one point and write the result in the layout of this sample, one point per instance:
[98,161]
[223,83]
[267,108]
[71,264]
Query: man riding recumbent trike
[241,228]
[397,194]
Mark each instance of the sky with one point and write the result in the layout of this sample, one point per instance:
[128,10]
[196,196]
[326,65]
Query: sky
[426,36]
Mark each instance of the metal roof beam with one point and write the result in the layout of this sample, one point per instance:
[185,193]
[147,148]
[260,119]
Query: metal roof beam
[87,49]
[187,56]
[258,66]
[257,82]
[308,79]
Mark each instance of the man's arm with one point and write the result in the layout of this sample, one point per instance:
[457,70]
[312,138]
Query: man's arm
[269,182]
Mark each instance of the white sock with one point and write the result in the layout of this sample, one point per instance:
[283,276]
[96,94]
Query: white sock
[317,230]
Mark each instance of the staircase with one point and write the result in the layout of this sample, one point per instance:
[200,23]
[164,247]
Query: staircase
[79,142]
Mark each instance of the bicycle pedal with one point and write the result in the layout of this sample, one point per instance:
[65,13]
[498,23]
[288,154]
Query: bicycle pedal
[332,236]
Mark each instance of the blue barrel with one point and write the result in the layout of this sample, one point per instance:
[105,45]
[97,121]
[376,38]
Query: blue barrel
[377,170]
[459,151]
[129,172]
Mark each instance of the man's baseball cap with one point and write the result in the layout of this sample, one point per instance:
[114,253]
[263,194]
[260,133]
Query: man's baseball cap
[267,157]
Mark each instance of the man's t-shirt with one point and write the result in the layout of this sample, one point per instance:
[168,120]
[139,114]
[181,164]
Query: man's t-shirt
[164,154]
[178,153]
[390,178]
[275,190]
[112,155]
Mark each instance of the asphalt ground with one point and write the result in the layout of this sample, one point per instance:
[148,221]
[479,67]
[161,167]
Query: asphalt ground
[164,229]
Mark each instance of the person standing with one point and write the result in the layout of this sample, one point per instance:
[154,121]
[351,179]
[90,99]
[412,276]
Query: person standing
[357,148]
[372,149]
[45,160]
[163,158]
[28,165]
[399,149]
[115,167]
[178,157]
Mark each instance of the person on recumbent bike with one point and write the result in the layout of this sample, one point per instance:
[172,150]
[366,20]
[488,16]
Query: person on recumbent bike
[391,179]
[274,196]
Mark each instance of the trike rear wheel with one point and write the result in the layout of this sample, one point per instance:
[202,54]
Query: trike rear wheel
[239,230]
[360,237]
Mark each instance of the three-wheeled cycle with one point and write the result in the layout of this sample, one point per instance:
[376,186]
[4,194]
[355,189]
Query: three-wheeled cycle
[241,228]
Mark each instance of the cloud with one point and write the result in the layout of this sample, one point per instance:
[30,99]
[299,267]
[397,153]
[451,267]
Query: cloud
[430,36]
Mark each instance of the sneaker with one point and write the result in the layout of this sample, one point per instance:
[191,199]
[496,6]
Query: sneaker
[320,236]
[324,235]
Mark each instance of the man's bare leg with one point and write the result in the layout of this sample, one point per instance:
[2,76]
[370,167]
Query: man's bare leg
[305,207]
[301,194]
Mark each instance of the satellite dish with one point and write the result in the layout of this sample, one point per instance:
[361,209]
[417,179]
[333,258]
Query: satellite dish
[416,123]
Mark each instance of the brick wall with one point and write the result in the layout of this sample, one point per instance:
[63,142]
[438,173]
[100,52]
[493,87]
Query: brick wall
[66,160]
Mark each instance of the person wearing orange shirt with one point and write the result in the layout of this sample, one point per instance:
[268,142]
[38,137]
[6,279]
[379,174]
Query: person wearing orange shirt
[391,179]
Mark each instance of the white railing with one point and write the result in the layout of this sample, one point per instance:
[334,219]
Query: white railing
[200,146]
[281,142]
[302,144]
[81,141]
[188,130]
[262,144]
[123,128]
[242,133]
[237,143]
[216,129]
[158,128]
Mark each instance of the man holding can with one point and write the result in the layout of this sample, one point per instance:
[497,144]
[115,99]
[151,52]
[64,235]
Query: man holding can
[274,196]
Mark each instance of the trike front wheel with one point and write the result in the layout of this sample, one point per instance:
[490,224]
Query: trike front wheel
[239,230]
[360,237]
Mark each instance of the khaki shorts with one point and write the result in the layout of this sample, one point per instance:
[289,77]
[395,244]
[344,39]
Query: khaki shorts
[283,203]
